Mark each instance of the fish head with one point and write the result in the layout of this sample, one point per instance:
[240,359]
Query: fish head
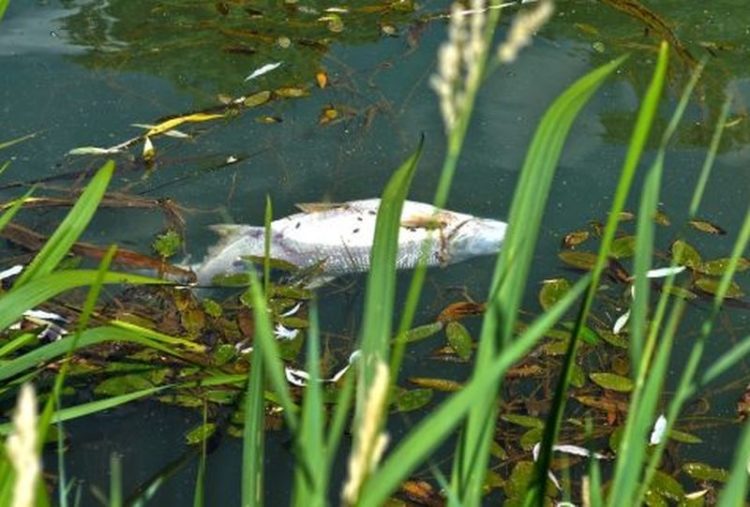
[475,237]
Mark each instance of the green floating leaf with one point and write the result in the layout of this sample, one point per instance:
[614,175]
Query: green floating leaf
[667,486]
[661,218]
[520,479]
[531,438]
[613,339]
[422,332]
[552,291]
[212,308]
[580,260]
[612,382]
[201,433]
[704,472]
[578,376]
[718,267]
[588,335]
[459,339]
[438,384]
[711,285]
[684,437]
[575,238]
[497,451]
[623,247]
[407,400]
[523,420]
[686,255]
[123,384]
[682,293]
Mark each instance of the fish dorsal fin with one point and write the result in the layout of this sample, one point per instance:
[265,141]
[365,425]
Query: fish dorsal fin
[425,221]
[316,207]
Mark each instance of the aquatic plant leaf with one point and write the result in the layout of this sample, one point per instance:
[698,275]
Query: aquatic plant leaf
[706,226]
[460,340]
[661,218]
[407,400]
[718,267]
[667,486]
[523,420]
[167,244]
[212,308]
[685,438]
[321,78]
[711,286]
[497,451]
[577,376]
[612,382]
[422,332]
[257,99]
[623,247]
[531,438]
[552,290]
[291,92]
[580,260]
[686,255]
[456,311]
[587,334]
[575,238]
[613,339]
[703,472]
[438,384]
[201,433]
[170,124]
[519,480]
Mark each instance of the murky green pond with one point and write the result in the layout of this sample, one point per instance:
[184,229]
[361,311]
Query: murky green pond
[348,102]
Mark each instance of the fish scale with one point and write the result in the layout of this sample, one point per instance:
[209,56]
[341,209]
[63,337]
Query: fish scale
[338,238]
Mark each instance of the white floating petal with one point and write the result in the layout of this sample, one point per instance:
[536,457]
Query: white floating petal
[11,271]
[621,322]
[664,272]
[660,426]
[265,69]
[291,312]
[93,150]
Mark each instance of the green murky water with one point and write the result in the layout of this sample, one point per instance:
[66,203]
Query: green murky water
[80,73]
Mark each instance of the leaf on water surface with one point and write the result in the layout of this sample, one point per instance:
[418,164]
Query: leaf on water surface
[575,238]
[328,114]
[422,332]
[123,384]
[321,79]
[212,308]
[685,255]
[201,433]
[718,267]
[523,420]
[460,340]
[552,291]
[421,492]
[667,486]
[531,438]
[623,247]
[613,339]
[578,376]
[661,218]
[707,227]
[167,244]
[711,286]
[407,400]
[456,311]
[438,384]
[703,472]
[580,260]
[612,382]
[682,293]
[268,120]
[626,216]
[93,150]
[170,124]
[497,451]
[257,99]
[291,92]
[684,437]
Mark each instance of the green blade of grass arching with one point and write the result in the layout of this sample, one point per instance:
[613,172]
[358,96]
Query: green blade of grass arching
[8,214]
[41,289]
[3,6]
[636,146]
[512,268]
[432,431]
[115,481]
[381,281]
[200,476]
[253,434]
[310,472]
[70,228]
[648,378]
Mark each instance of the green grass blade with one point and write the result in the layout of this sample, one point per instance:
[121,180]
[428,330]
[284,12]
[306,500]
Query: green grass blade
[430,432]
[115,481]
[513,266]
[8,215]
[266,345]
[381,282]
[200,476]
[3,6]
[708,163]
[8,144]
[70,228]
[94,407]
[735,490]
[311,474]
[41,289]
[638,140]
[88,338]
[253,433]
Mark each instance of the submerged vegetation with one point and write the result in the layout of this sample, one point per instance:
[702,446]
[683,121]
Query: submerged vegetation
[568,403]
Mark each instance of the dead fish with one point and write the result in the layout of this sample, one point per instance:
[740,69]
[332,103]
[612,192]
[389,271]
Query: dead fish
[337,239]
